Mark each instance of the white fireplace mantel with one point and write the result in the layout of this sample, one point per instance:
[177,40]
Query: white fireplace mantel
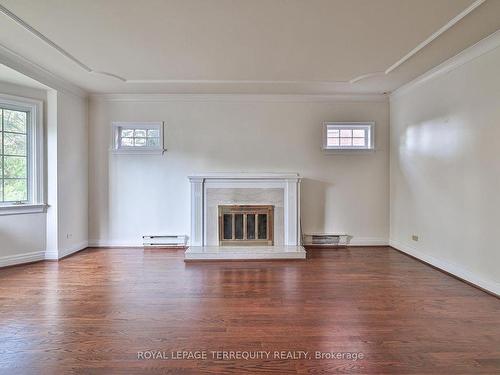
[289,182]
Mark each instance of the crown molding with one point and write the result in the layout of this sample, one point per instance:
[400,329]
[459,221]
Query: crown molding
[353,80]
[283,98]
[21,64]
[485,45]
[435,35]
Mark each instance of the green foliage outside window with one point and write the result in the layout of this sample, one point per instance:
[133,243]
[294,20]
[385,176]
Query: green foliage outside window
[13,155]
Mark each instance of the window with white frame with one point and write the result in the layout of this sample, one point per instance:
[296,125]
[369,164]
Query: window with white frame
[21,154]
[138,137]
[348,136]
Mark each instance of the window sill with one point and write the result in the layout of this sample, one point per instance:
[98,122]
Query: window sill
[347,150]
[19,209]
[137,152]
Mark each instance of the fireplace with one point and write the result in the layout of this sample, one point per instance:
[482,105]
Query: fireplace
[246,225]
[238,216]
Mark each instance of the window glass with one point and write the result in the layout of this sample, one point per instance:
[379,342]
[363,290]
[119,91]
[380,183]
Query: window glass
[14,155]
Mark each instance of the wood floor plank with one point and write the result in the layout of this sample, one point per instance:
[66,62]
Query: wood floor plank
[92,313]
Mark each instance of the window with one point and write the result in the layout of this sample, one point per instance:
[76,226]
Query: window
[348,136]
[144,137]
[21,155]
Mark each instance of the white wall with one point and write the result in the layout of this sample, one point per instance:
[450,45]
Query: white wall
[22,235]
[445,167]
[72,172]
[67,230]
[135,195]
[64,228]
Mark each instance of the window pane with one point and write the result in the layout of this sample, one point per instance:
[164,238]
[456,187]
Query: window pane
[1,137]
[14,144]
[14,121]
[15,190]
[346,141]
[251,226]
[127,132]
[238,226]
[140,133]
[360,133]
[333,133]
[346,133]
[154,133]
[153,142]
[127,142]
[228,226]
[140,142]
[15,167]
[333,142]
[262,226]
[1,190]
[358,142]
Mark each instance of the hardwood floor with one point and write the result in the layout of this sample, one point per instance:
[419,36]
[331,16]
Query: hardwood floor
[92,313]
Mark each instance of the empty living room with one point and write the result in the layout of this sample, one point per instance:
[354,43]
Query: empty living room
[249,187]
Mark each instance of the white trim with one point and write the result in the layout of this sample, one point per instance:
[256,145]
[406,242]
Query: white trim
[11,260]
[368,241]
[58,254]
[369,137]
[447,266]
[435,35]
[280,98]
[116,148]
[54,45]
[73,249]
[35,154]
[21,64]
[114,243]
[19,209]
[485,45]
[289,182]
[244,176]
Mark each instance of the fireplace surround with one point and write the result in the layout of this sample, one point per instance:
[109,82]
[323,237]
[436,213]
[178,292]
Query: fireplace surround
[279,190]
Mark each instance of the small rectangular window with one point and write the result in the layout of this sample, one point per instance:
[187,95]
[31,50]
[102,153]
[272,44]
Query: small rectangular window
[348,136]
[135,137]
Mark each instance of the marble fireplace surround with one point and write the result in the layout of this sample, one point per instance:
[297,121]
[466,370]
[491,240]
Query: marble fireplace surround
[210,190]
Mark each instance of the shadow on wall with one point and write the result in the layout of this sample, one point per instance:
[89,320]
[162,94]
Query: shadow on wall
[314,205]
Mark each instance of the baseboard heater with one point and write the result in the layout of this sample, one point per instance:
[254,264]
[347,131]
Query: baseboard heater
[325,239]
[175,240]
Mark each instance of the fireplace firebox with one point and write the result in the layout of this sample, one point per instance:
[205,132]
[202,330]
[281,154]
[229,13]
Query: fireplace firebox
[246,225]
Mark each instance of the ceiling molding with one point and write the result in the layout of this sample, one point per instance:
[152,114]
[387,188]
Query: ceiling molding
[21,64]
[353,80]
[485,45]
[283,98]
[435,35]
[52,44]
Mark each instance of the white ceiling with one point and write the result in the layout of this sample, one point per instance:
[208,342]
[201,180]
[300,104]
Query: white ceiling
[243,46]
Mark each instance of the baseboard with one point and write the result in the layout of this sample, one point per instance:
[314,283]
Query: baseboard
[106,243]
[11,260]
[368,241]
[57,255]
[450,268]
[355,241]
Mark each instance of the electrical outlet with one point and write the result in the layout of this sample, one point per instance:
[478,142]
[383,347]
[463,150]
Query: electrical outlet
[69,235]
[414,237]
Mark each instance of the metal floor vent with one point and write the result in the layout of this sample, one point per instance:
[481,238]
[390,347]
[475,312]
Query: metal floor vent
[326,239]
